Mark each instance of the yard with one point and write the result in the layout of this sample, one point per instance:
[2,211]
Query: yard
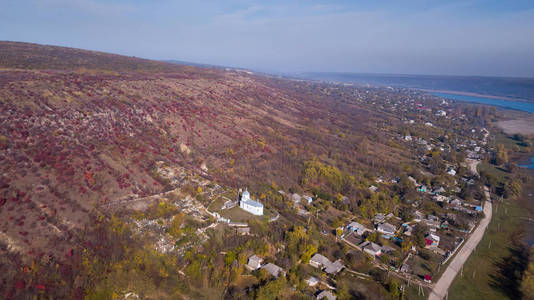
[426,263]
[216,204]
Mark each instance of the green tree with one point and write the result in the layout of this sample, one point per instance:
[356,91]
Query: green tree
[272,290]
[176,223]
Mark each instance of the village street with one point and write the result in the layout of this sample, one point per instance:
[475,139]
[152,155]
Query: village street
[441,287]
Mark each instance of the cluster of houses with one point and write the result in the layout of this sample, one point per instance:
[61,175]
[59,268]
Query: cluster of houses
[318,261]
[355,231]
[256,208]
[255,263]
[296,198]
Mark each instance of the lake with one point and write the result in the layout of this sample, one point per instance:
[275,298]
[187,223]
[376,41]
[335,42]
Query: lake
[517,105]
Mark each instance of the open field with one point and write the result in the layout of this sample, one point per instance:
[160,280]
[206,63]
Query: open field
[523,125]
[483,275]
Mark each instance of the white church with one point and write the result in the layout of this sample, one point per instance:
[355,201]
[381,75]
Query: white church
[253,207]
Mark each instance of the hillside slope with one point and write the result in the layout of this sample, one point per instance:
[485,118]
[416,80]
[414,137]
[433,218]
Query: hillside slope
[80,129]
[17,55]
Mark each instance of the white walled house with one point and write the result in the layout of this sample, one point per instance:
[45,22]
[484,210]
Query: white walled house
[253,207]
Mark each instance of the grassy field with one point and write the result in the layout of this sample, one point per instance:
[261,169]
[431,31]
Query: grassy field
[485,275]
[507,141]
[500,173]
[217,204]
[413,293]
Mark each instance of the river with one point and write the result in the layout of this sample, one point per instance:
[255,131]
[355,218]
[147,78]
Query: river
[529,165]
[510,104]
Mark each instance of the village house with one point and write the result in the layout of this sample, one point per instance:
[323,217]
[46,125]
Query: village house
[438,190]
[433,224]
[386,228]
[440,198]
[312,281]
[320,261]
[352,239]
[408,230]
[308,199]
[326,295]
[243,230]
[357,228]
[295,198]
[379,218]
[371,248]
[418,216]
[432,240]
[250,205]
[274,270]
[456,202]
[254,263]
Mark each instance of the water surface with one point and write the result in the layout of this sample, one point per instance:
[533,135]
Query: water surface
[517,105]
[529,165]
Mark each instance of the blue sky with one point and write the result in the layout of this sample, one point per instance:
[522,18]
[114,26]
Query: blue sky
[464,37]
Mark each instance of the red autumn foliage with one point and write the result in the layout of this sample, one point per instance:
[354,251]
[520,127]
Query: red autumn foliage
[20,284]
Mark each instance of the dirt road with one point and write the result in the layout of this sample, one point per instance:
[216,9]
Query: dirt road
[441,287]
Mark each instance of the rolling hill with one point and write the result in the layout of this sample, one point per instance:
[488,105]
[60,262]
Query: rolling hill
[79,129]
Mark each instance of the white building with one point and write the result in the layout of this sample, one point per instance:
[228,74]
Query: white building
[308,199]
[253,207]
[371,248]
[312,281]
[254,262]
[386,228]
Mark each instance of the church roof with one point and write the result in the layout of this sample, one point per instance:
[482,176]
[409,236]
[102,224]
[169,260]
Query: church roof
[253,203]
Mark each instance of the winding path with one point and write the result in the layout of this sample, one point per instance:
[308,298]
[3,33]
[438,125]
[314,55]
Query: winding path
[442,286]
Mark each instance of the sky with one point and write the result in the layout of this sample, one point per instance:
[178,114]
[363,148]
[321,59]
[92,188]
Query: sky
[446,37]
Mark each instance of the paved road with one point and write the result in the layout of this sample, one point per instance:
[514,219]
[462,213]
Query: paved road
[440,288]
